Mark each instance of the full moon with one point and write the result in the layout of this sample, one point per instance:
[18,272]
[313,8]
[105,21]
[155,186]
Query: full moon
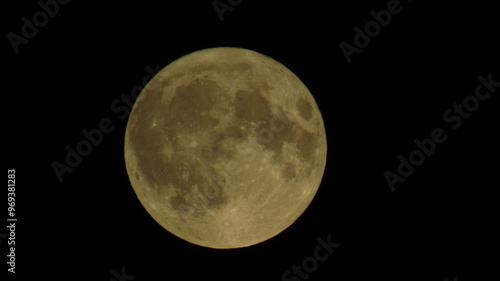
[225,147]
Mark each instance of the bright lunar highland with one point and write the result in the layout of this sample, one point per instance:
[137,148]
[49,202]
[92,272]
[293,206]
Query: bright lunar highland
[225,147]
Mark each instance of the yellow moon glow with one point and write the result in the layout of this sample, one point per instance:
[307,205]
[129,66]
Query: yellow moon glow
[225,147]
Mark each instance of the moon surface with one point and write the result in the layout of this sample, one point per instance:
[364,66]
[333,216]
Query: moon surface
[225,147]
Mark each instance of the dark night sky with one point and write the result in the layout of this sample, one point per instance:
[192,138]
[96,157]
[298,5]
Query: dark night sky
[437,224]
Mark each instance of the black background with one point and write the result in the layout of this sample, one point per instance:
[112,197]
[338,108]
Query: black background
[438,224]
